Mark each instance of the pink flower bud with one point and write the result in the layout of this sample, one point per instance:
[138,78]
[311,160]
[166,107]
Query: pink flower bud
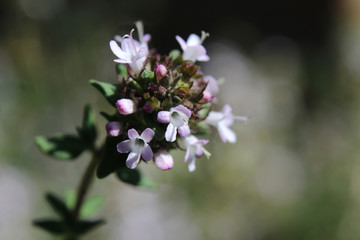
[114,129]
[126,106]
[163,160]
[160,71]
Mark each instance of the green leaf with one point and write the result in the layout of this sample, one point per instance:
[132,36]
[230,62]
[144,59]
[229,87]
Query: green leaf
[107,89]
[59,206]
[204,111]
[111,159]
[84,226]
[110,118]
[88,130]
[51,226]
[121,70]
[174,54]
[158,129]
[64,147]
[70,199]
[134,177]
[91,206]
[203,129]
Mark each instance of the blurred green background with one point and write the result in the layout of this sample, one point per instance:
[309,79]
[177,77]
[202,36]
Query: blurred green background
[292,65]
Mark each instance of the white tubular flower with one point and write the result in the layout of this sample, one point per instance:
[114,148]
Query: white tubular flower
[222,121]
[137,146]
[193,48]
[194,149]
[131,52]
[177,118]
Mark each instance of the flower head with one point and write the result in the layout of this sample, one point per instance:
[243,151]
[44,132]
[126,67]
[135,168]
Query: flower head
[193,48]
[222,121]
[163,160]
[177,118]
[194,149]
[131,52]
[137,146]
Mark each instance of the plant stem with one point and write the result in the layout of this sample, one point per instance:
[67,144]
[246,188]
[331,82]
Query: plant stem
[85,183]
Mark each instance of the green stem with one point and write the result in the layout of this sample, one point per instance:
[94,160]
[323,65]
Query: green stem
[85,184]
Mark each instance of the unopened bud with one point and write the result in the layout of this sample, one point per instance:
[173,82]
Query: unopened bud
[126,106]
[160,71]
[207,97]
[114,129]
[163,160]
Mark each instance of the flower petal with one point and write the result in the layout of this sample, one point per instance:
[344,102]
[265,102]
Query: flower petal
[193,40]
[147,135]
[132,134]
[124,146]
[183,110]
[184,130]
[163,116]
[226,134]
[147,153]
[203,58]
[170,134]
[194,52]
[192,166]
[181,42]
[118,52]
[133,160]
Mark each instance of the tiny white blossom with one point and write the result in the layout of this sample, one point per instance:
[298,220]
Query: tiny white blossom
[193,48]
[194,149]
[131,52]
[222,121]
[177,118]
[137,146]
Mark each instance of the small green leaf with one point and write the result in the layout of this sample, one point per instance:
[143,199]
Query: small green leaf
[51,226]
[111,159]
[174,53]
[121,70]
[84,226]
[204,111]
[88,130]
[134,177]
[158,129]
[64,147]
[107,89]
[59,206]
[70,199]
[91,206]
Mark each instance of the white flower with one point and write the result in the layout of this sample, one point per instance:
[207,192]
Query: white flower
[193,48]
[131,52]
[137,146]
[177,118]
[222,121]
[194,149]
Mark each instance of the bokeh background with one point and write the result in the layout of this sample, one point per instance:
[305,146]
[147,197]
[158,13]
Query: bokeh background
[294,66]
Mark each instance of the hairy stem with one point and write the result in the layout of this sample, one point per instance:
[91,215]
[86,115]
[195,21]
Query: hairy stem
[85,183]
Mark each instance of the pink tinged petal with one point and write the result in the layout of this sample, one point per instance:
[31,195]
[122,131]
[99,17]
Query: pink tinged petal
[183,110]
[184,130]
[124,146]
[226,109]
[132,134]
[114,129]
[199,151]
[212,85]
[214,118]
[147,135]
[129,47]
[133,160]
[226,134]
[170,134]
[163,160]
[181,42]
[147,153]
[187,154]
[118,52]
[163,116]
[146,38]
[207,97]
[193,40]
[203,142]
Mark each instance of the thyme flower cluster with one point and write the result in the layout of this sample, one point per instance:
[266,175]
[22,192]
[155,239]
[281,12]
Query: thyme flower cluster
[165,102]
